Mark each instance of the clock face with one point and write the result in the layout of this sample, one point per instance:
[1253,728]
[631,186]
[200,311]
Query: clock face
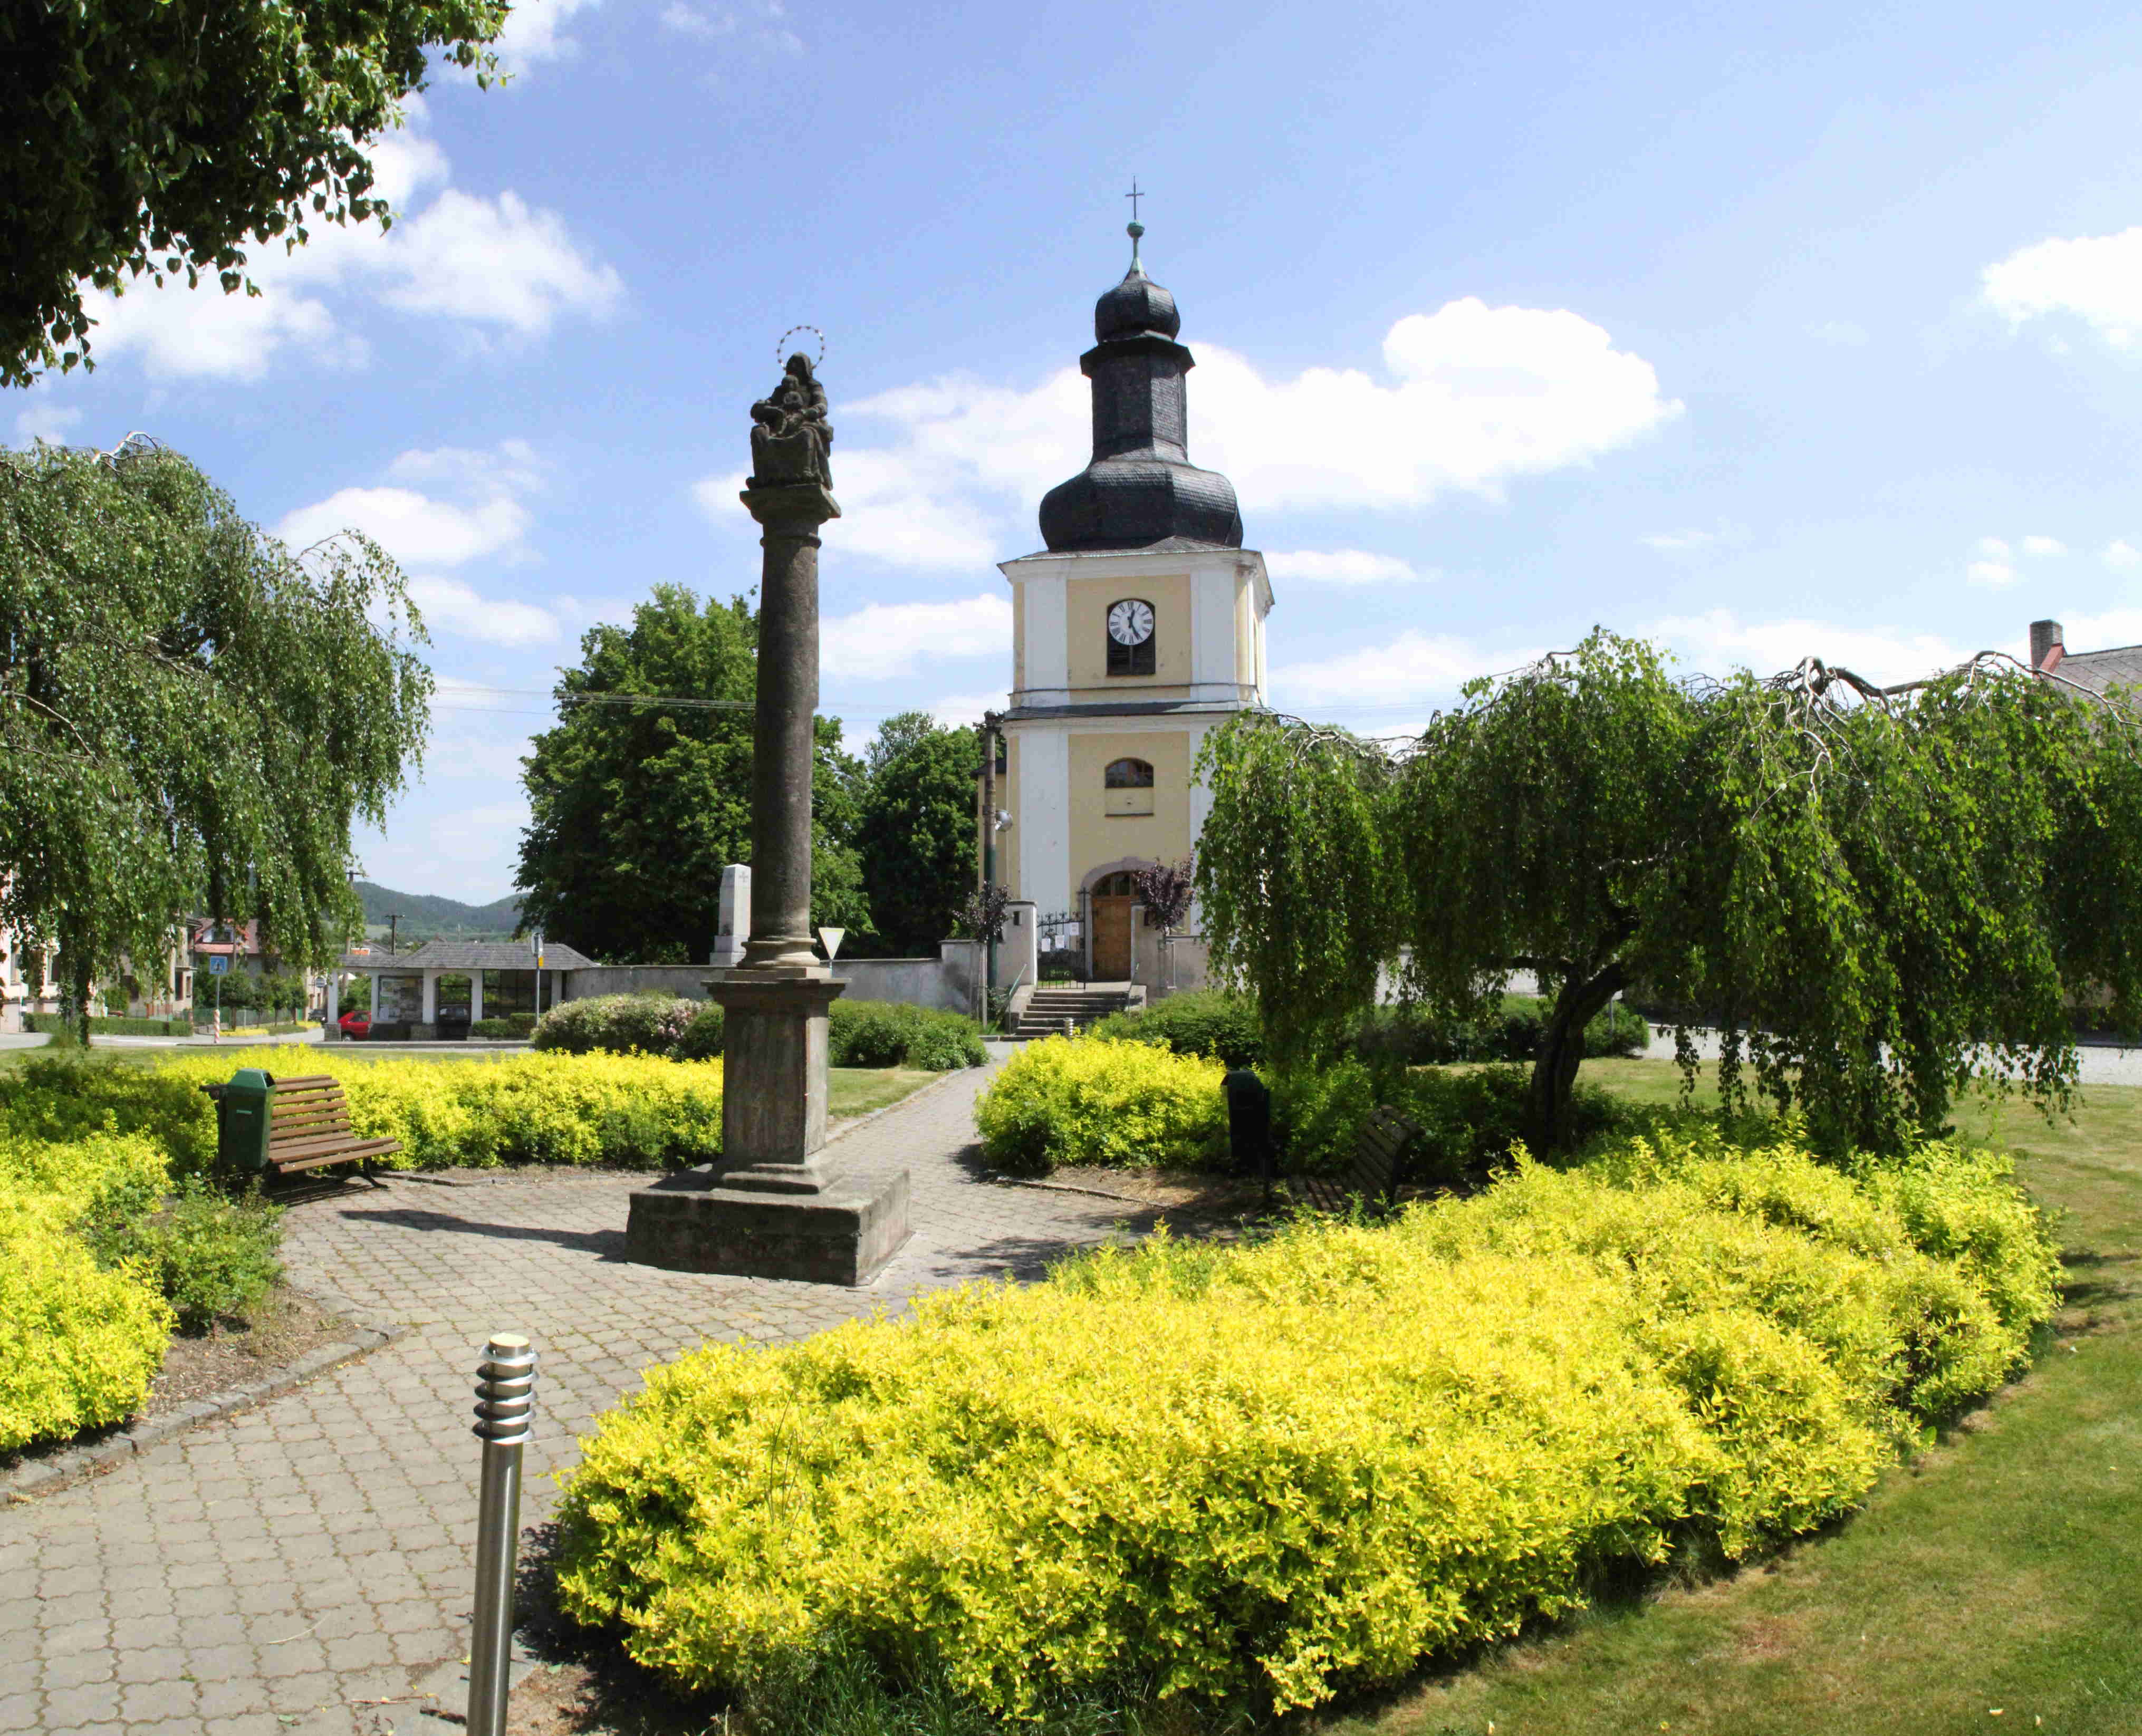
[1130,622]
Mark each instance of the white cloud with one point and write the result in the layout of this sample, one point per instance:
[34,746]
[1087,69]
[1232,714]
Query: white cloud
[1414,670]
[488,263]
[1479,396]
[1993,573]
[964,710]
[2044,546]
[473,509]
[497,262]
[2100,632]
[1993,548]
[2098,278]
[46,421]
[1719,640]
[702,25]
[451,606]
[415,529]
[534,31]
[2121,555]
[1341,566]
[894,638]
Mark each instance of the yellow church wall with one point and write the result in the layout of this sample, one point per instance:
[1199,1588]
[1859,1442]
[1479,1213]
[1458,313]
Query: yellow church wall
[1098,837]
[1087,604]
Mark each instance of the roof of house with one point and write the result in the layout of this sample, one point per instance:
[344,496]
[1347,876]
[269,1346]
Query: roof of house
[2099,670]
[469,955]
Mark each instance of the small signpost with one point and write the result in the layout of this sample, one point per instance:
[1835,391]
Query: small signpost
[535,946]
[219,967]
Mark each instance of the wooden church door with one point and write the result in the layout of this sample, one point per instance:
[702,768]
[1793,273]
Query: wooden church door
[1113,899]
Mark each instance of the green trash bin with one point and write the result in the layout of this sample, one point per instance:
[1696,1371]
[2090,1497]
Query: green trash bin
[244,1119]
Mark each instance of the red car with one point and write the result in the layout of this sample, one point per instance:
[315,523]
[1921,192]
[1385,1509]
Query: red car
[356,1024]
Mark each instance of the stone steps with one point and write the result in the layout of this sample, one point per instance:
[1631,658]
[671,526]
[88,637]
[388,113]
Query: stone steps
[1050,1008]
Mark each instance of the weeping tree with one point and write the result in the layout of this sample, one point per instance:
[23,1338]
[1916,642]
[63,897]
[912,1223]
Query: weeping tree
[1876,895]
[191,716]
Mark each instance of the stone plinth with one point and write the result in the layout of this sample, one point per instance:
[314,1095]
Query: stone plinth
[692,1223]
[770,1209]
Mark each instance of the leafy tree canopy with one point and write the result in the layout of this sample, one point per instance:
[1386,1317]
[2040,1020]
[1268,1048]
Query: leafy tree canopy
[190,716]
[161,137]
[1875,895]
[916,831]
[635,809]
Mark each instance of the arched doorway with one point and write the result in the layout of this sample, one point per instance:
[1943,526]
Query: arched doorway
[1112,898]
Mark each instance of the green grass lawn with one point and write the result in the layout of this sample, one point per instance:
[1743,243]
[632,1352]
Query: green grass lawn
[1991,1584]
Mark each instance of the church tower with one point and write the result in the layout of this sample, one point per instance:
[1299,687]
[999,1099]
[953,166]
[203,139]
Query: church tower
[1138,629]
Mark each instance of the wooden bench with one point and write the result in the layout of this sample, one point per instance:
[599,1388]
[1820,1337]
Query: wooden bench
[1371,1181]
[308,1127]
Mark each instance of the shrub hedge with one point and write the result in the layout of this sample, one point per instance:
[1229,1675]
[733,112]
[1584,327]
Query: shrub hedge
[859,1034]
[514,1024]
[535,1108]
[1212,1021]
[1335,1453]
[1098,1100]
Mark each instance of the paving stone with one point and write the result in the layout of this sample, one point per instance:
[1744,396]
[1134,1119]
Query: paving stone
[315,1549]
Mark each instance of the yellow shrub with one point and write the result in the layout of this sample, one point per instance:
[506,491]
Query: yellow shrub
[1280,1469]
[534,1108]
[78,1344]
[1099,1100]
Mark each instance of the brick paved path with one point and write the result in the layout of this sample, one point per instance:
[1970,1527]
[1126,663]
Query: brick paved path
[296,1561]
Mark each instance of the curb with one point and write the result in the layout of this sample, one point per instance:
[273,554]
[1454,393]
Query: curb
[71,1465]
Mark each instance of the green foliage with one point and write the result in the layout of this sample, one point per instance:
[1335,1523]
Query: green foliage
[1200,1022]
[916,833]
[211,1256]
[701,1039]
[618,1025]
[170,136]
[893,1033]
[1876,896]
[1292,1488]
[493,1030]
[1470,1120]
[190,718]
[1093,1100]
[636,809]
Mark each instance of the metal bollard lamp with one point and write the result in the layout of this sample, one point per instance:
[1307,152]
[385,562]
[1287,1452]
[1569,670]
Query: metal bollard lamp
[505,1391]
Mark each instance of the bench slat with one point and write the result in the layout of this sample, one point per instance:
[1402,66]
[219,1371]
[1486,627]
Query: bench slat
[375,1148]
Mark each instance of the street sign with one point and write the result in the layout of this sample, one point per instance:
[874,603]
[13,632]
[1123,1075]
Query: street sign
[219,963]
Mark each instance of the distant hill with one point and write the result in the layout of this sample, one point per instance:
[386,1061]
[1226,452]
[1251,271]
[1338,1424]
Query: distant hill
[422,914]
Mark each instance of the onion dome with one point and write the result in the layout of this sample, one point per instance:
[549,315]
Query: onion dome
[1140,489]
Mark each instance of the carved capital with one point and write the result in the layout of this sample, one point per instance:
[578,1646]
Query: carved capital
[795,507]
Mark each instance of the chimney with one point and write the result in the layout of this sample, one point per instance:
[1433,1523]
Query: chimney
[2047,648]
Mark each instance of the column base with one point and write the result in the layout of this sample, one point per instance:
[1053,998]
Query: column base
[697,1222]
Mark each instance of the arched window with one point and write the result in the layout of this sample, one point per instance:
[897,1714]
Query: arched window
[1128,787]
[1131,636]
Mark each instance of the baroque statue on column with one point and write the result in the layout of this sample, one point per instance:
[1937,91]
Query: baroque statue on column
[790,439]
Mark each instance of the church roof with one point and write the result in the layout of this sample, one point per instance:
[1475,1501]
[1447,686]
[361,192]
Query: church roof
[1139,490]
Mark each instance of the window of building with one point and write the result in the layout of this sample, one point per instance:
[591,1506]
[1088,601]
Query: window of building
[1128,787]
[1131,636]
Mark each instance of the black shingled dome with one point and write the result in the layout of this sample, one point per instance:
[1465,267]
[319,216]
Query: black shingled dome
[1140,489]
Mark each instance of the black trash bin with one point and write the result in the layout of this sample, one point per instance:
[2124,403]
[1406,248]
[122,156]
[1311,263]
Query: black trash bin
[1249,1124]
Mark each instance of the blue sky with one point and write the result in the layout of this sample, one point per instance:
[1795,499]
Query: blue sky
[1764,334]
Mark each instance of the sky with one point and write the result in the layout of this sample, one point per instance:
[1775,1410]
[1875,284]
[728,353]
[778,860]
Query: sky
[1764,333]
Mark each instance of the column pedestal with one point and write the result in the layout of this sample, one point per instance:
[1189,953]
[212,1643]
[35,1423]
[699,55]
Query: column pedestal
[769,1209]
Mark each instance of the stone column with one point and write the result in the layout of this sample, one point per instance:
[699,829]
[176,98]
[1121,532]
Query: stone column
[783,735]
[769,1209]
[476,996]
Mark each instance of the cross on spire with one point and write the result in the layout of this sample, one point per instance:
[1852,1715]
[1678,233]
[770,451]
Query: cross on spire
[1134,196]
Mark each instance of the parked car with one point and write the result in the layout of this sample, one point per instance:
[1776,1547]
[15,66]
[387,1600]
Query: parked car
[356,1024]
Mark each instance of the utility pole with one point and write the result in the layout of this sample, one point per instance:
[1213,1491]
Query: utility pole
[393,931]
